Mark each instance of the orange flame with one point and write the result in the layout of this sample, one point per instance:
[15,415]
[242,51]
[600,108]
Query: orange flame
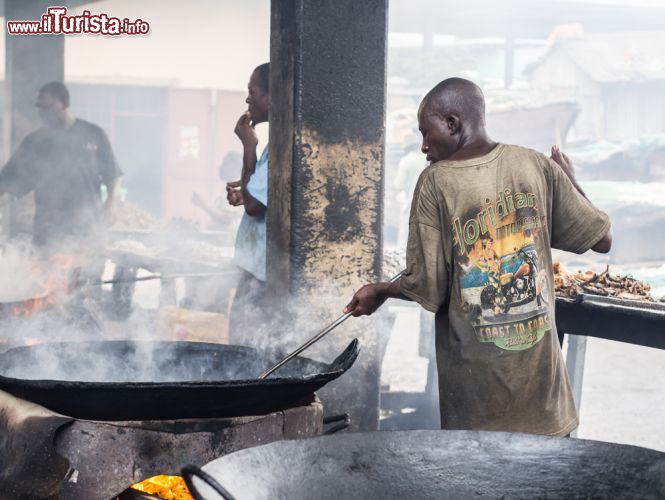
[165,487]
[53,277]
[30,306]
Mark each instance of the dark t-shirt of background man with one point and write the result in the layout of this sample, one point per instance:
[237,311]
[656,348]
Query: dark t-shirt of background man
[65,168]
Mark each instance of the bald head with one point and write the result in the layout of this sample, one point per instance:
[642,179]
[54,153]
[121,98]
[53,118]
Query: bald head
[451,119]
[459,97]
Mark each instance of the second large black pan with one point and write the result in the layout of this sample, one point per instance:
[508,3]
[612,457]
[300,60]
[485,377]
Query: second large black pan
[121,380]
[436,465]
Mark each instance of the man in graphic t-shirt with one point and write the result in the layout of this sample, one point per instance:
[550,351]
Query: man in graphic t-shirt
[483,221]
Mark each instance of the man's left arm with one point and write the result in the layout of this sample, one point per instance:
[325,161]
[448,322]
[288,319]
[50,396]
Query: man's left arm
[111,194]
[576,220]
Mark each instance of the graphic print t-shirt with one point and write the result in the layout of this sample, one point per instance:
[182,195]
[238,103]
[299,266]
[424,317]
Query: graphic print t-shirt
[479,256]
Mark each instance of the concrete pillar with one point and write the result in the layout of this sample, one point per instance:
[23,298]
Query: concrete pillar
[328,67]
[30,62]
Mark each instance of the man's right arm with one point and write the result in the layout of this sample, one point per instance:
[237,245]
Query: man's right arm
[247,136]
[17,176]
[370,297]
[252,205]
[425,279]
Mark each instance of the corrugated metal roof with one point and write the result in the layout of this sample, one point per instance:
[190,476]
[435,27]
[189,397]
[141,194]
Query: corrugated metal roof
[615,57]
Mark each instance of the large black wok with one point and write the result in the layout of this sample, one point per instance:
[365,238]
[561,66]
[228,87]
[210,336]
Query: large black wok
[437,465]
[119,380]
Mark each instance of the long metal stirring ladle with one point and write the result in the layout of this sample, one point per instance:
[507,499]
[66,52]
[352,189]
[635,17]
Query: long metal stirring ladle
[315,338]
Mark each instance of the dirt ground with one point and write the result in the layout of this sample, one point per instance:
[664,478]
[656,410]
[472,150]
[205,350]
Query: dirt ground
[623,396]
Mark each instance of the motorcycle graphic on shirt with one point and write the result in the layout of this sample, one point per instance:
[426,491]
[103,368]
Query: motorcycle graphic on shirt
[513,288]
[503,282]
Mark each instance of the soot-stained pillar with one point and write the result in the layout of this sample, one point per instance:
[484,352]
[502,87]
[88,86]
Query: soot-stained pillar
[30,62]
[328,88]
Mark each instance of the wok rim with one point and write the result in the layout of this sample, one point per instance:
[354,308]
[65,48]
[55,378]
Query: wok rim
[470,435]
[344,361]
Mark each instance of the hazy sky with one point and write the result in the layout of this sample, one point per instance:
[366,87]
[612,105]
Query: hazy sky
[210,43]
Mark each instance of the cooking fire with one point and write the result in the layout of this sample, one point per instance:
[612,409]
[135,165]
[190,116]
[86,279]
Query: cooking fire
[165,487]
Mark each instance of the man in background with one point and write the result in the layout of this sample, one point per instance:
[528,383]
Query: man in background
[65,163]
[248,310]
[409,169]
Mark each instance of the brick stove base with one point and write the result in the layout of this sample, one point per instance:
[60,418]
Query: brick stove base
[105,458]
